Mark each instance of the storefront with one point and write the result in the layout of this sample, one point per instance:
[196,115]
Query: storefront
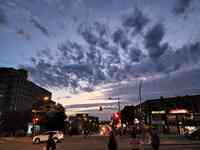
[174,120]
[178,119]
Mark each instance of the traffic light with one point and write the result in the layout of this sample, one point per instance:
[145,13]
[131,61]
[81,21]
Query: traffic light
[116,115]
[116,119]
[35,120]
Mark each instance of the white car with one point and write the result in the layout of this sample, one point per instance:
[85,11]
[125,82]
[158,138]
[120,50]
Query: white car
[57,137]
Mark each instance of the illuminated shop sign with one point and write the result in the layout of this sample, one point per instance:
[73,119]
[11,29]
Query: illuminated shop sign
[158,112]
[178,111]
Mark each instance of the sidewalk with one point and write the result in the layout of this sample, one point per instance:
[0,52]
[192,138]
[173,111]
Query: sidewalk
[175,140]
[15,139]
[178,141]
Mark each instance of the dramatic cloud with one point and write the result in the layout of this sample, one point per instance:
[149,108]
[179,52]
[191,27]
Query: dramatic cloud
[3,20]
[134,54]
[167,85]
[24,34]
[119,37]
[182,6]
[93,33]
[153,39]
[108,56]
[135,20]
[84,31]
[174,60]
[40,27]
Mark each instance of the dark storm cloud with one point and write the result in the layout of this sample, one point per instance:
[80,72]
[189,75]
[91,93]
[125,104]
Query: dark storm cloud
[85,31]
[3,20]
[59,76]
[182,6]
[135,54]
[42,74]
[62,75]
[71,51]
[93,33]
[100,28]
[119,37]
[172,60]
[96,35]
[110,56]
[70,68]
[45,53]
[40,27]
[188,54]
[136,20]
[153,39]
[50,75]
[175,60]
[176,84]
[77,69]
[23,34]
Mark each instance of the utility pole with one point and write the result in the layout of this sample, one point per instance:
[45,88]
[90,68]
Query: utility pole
[118,104]
[140,95]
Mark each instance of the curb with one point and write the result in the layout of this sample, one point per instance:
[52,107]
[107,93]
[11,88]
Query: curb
[176,144]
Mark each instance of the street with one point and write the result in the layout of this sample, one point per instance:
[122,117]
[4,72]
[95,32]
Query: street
[91,143]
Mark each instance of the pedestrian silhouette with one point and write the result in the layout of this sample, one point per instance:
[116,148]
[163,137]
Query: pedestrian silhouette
[155,139]
[133,132]
[51,144]
[112,143]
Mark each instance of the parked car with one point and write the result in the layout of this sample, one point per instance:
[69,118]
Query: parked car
[195,135]
[57,137]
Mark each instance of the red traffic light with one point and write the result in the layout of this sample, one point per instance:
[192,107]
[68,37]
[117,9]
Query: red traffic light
[116,115]
[35,120]
[116,119]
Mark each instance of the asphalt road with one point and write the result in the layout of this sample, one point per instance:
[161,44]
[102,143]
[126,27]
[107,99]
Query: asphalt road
[92,143]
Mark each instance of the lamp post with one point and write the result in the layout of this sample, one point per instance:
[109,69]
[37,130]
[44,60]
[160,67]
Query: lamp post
[140,96]
[140,93]
[46,98]
[118,102]
[33,121]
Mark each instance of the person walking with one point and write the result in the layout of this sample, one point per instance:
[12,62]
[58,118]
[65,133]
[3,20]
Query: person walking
[155,139]
[135,143]
[112,143]
[147,135]
[133,132]
[51,144]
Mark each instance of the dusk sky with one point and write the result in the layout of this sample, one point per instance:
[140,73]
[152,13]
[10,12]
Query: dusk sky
[85,51]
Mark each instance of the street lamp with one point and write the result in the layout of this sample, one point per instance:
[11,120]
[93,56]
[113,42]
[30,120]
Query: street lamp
[46,98]
[140,93]
[118,102]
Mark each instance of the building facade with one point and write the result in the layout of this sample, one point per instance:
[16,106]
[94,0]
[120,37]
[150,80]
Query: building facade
[18,95]
[173,112]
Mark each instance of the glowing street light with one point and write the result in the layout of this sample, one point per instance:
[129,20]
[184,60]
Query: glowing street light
[46,98]
[178,111]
